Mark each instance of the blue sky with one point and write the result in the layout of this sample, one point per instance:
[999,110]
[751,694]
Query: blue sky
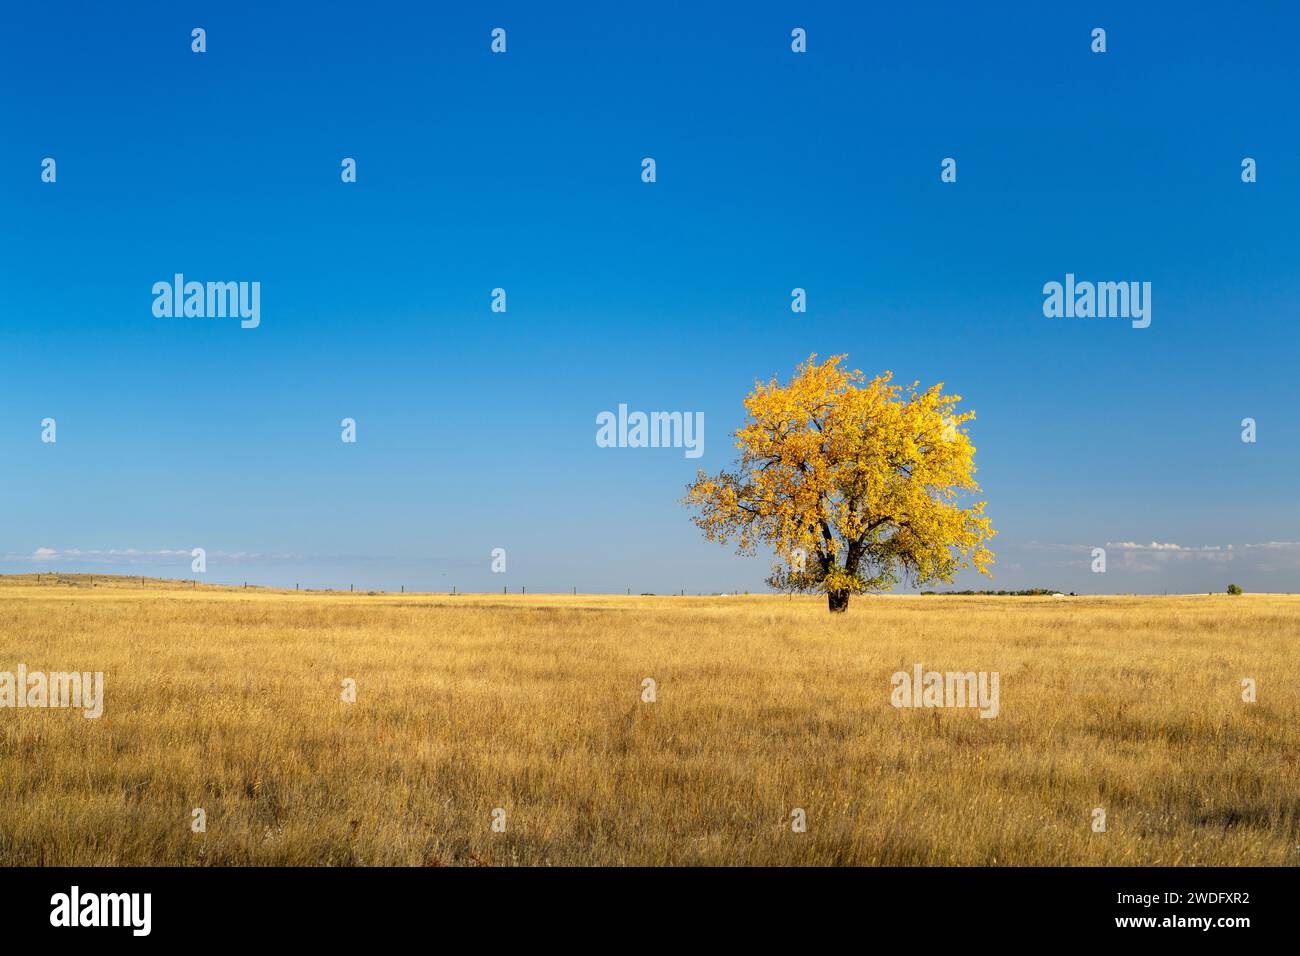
[522,171]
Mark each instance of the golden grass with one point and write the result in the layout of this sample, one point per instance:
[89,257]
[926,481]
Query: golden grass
[229,700]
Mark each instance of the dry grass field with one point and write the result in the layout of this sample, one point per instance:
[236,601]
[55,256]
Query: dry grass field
[229,700]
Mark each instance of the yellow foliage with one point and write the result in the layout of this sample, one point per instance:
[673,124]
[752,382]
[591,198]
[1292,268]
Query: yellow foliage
[851,483]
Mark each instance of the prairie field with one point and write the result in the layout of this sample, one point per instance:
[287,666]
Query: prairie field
[230,700]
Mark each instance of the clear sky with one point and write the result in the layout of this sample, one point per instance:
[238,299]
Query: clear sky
[775,170]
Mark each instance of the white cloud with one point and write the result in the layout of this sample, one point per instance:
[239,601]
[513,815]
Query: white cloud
[1154,556]
[1157,546]
[134,556]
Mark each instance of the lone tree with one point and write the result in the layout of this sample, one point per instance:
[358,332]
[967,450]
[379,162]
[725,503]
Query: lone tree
[851,485]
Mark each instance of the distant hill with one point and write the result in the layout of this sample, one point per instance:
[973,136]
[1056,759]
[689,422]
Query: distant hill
[55,579]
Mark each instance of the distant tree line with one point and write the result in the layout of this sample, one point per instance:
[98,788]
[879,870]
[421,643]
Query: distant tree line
[1028,592]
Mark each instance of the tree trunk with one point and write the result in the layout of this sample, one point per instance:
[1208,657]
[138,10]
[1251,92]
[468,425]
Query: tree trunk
[838,601]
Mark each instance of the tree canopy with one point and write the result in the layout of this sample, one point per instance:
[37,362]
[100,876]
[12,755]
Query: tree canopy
[855,485]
